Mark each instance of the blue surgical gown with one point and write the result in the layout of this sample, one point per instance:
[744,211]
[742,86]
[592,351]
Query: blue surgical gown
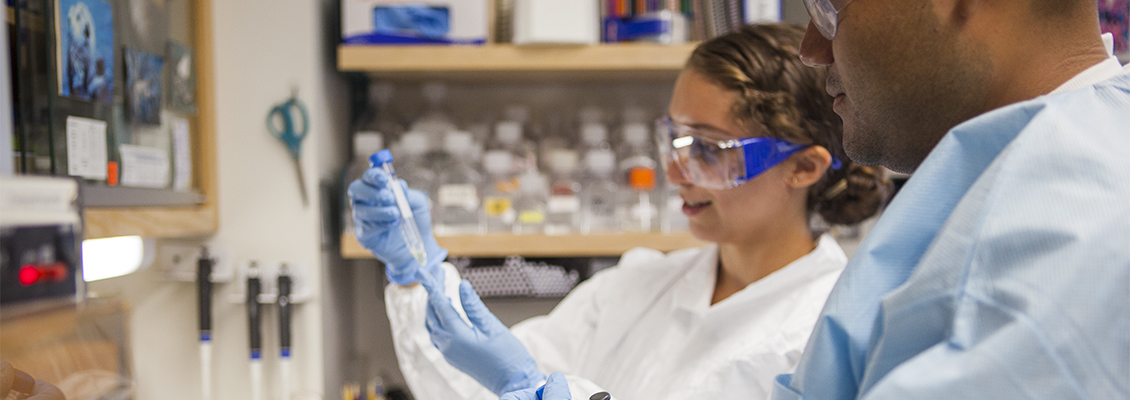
[1001,270]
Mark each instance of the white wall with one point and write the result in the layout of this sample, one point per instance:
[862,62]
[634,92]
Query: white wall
[263,49]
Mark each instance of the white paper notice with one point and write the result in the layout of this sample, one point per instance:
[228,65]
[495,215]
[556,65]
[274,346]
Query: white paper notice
[86,148]
[144,166]
[182,155]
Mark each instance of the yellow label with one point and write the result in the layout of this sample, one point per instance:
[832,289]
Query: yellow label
[531,217]
[496,206]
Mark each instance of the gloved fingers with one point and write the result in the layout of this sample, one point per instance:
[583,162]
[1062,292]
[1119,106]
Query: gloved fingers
[477,312]
[361,192]
[376,216]
[555,388]
[431,322]
[524,394]
[431,277]
[376,177]
[446,317]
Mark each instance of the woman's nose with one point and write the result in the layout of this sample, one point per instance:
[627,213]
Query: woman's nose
[675,174]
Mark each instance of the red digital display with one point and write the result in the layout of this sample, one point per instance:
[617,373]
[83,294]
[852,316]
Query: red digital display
[32,274]
[28,275]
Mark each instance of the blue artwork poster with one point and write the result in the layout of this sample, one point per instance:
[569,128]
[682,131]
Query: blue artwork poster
[143,86]
[85,34]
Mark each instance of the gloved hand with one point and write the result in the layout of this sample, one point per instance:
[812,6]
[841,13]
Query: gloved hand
[486,350]
[555,388]
[376,222]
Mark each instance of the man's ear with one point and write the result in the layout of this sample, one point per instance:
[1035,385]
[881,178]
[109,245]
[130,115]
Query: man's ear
[808,166]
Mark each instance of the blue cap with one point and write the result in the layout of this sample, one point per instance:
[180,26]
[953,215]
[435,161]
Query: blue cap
[381,157]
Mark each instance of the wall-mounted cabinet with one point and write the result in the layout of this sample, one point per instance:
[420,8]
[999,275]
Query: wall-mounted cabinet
[127,109]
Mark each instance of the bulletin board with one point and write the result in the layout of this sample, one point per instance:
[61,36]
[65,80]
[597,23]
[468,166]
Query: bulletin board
[105,90]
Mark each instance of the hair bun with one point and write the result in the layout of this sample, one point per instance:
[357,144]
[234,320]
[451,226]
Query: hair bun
[859,195]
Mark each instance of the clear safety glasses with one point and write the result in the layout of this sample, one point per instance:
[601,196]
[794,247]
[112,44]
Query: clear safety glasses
[716,161]
[826,15]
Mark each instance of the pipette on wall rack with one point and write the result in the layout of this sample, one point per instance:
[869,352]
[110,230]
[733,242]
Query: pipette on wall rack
[284,303]
[204,305]
[254,319]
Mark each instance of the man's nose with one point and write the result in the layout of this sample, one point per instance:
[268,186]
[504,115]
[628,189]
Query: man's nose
[815,50]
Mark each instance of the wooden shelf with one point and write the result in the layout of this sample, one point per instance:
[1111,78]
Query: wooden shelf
[612,244]
[629,61]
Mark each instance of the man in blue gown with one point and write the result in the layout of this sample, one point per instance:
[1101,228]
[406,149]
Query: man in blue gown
[1002,268]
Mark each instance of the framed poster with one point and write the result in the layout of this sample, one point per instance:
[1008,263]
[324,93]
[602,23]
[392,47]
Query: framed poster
[143,87]
[84,33]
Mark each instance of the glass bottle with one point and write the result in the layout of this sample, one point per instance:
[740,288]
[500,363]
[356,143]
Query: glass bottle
[638,168]
[412,165]
[365,144]
[499,191]
[458,194]
[563,210]
[600,209]
[533,192]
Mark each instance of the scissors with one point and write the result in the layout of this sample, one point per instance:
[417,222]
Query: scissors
[283,114]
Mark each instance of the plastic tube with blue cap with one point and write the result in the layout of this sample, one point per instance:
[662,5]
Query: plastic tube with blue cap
[408,228]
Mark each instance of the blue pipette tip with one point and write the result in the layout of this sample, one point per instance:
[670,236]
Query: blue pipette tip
[381,157]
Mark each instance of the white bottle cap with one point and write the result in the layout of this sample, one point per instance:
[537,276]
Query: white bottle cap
[498,162]
[533,182]
[593,134]
[414,143]
[458,142]
[563,161]
[600,161]
[635,133]
[509,132]
[365,143]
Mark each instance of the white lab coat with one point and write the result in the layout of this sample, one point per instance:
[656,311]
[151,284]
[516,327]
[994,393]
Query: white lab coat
[645,329]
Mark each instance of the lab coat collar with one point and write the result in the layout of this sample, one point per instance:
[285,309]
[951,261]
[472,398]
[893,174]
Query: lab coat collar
[694,293]
[1102,71]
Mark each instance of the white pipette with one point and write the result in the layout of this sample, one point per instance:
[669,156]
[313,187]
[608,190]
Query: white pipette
[408,228]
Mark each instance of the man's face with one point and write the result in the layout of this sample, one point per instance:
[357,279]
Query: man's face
[901,79]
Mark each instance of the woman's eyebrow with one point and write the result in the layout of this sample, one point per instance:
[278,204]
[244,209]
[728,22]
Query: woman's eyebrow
[713,129]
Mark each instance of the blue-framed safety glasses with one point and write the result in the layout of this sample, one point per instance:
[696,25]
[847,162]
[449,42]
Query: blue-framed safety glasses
[717,161]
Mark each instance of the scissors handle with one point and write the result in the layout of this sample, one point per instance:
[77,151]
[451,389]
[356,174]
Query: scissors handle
[285,113]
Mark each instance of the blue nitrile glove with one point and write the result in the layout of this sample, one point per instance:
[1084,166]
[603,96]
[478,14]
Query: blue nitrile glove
[555,388]
[376,224]
[486,350]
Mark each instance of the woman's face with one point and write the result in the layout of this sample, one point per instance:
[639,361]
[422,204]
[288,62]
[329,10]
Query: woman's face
[734,215]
